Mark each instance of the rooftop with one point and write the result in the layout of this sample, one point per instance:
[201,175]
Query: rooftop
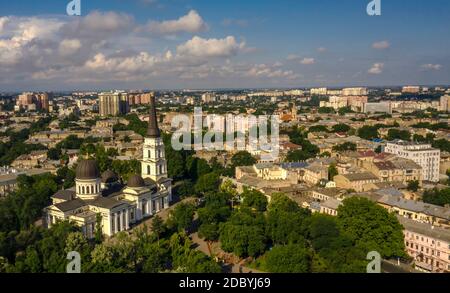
[425,229]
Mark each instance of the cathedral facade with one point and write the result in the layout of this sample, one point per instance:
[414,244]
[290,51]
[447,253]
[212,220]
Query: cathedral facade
[101,199]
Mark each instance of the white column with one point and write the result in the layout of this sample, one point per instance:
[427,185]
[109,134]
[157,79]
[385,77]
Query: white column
[149,207]
[116,219]
[127,219]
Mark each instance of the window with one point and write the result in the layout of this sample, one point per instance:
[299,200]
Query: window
[148,170]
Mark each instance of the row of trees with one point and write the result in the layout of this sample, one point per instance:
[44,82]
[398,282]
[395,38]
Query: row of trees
[39,250]
[286,238]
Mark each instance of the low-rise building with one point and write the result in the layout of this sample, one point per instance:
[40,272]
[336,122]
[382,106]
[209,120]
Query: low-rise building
[428,245]
[359,182]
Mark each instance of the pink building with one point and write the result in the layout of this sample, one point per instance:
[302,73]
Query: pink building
[428,245]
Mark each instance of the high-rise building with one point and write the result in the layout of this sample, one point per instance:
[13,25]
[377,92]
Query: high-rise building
[208,98]
[43,101]
[25,99]
[33,101]
[113,103]
[422,154]
[444,104]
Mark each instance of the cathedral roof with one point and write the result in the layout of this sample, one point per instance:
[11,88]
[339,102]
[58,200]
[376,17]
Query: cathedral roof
[87,169]
[153,130]
[70,205]
[135,181]
[109,177]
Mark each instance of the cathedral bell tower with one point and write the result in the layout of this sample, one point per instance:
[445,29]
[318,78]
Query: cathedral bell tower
[154,164]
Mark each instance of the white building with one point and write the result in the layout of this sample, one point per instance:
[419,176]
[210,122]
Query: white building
[382,107]
[411,89]
[102,200]
[422,154]
[208,98]
[319,91]
[355,91]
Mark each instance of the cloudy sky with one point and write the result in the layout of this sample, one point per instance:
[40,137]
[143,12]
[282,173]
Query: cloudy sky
[176,44]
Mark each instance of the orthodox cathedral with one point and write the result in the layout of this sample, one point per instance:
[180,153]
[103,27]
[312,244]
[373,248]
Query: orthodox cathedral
[119,206]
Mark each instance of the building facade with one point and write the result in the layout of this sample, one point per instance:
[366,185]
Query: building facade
[103,200]
[113,103]
[422,154]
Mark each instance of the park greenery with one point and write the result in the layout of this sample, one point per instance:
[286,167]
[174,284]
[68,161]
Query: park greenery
[437,197]
[283,237]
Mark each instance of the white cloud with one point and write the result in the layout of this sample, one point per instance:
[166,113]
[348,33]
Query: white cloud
[97,24]
[199,47]
[432,66]
[381,45]
[190,23]
[3,21]
[321,49]
[376,68]
[308,61]
[265,71]
[69,47]
[292,57]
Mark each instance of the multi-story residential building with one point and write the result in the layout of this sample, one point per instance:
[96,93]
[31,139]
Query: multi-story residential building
[382,107]
[428,245]
[113,103]
[359,182]
[394,170]
[444,104]
[357,91]
[416,210]
[208,98]
[410,89]
[319,91]
[315,172]
[422,154]
[32,101]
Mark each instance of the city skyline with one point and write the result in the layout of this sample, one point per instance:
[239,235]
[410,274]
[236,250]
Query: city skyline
[200,45]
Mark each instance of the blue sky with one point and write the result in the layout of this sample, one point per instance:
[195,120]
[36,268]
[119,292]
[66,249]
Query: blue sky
[161,44]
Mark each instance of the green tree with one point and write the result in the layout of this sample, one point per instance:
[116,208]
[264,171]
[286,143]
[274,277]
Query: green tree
[347,146]
[341,128]
[368,132]
[369,224]
[437,197]
[181,217]
[291,258]
[207,183]
[318,128]
[158,226]
[54,154]
[413,185]
[398,134]
[254,199]
[242,158]
[332,171]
